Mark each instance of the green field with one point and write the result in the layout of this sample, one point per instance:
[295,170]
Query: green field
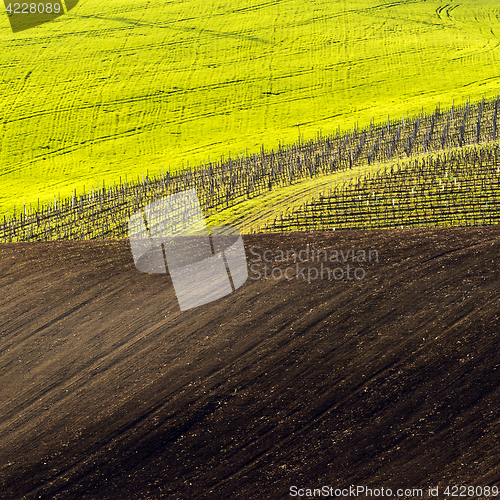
[119,88]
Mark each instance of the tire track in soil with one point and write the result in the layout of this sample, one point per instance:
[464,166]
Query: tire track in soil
[273,208]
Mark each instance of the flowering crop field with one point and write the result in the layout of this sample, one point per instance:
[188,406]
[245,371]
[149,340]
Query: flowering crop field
[129,87]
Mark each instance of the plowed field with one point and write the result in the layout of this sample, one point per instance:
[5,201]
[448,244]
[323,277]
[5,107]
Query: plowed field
[108,391]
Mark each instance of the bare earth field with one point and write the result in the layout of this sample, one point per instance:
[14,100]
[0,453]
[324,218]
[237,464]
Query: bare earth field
[108,391]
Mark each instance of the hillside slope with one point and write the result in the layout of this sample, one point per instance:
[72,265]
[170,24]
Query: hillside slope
[115,89]
[108,391]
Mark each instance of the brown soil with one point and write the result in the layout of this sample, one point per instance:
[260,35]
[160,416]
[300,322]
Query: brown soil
[109,391]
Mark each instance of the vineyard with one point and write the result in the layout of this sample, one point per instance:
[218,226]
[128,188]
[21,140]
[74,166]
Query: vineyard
[103,211]
[460,188]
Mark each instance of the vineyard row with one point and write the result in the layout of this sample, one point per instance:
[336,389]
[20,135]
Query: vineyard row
[104,212]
